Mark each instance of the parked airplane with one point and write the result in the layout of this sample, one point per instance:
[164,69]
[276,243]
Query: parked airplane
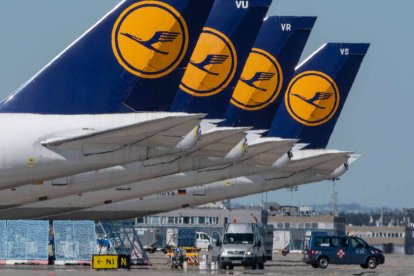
[203,176]
[226,143]
[110,82]
[130,173]
[85,79]
[166,37]
[329,165]
[342,67]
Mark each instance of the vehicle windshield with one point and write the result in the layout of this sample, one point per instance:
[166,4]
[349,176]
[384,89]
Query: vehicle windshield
[358,243]
[231,238]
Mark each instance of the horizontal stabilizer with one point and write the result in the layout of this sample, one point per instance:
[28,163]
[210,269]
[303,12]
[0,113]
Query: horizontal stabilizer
[254,134]
[208,124]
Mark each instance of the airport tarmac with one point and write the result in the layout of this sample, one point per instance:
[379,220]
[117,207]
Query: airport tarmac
[395,264]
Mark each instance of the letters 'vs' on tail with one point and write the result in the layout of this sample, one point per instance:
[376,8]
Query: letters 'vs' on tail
[316,94]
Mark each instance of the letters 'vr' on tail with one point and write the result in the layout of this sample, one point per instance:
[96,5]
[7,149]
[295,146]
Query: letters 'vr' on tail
[125,62]
[317,92]
[268,70]
[219,55]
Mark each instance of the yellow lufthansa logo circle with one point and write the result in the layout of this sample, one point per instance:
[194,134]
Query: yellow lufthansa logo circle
[312,98]
[212,65]
[149,39]
[260,82]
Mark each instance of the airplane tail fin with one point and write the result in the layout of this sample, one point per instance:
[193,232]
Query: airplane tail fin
[219,56]
[317,92]
[268,70]
[138,46]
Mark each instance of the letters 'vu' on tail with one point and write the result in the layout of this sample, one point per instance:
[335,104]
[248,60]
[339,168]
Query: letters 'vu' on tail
[219,56]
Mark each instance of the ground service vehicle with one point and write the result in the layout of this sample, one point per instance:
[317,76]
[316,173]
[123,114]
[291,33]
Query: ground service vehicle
[242,245]
[322,250]
[203,240]
[178,258]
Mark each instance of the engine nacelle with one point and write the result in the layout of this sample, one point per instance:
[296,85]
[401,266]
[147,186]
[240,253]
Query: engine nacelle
[339,171]
[282,161]
[190,139]
[238,151]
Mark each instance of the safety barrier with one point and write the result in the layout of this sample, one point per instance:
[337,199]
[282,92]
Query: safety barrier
[24,242]
[75,242]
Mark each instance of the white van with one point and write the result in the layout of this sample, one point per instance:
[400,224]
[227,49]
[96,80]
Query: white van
[203,240]
[242,245]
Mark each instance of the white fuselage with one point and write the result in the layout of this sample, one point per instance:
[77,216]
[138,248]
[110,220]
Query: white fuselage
[229,189]
[141,189]
[25,160]
[118,175]
[93,188]
[175,171]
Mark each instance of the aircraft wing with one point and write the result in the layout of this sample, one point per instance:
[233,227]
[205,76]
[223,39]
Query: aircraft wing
[316,161]
[266,151]
[316,167]
[166,131]
[220,141]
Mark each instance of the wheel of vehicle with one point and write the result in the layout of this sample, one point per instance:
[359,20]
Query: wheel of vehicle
[323,262]
[364,266]
[314,265]
[260,265]
[221,265]
[372,262]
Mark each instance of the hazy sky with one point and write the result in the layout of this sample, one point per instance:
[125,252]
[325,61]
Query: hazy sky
[375,122]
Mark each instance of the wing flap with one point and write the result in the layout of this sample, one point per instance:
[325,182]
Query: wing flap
[267,151]
[326,162]
[155,132]
[222,148]
[172,137]
[220,141]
